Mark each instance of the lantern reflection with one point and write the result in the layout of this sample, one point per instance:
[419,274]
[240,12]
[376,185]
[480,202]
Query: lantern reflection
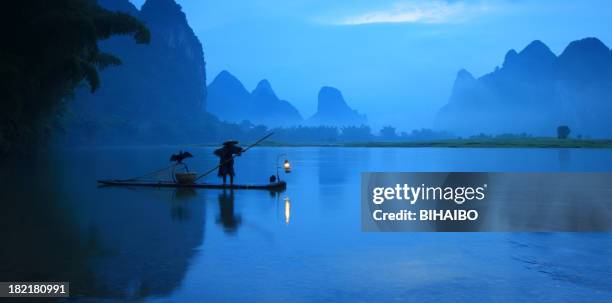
[287,210]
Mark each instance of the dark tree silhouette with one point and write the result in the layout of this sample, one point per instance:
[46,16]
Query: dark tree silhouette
[50,47]
[361,133]
[563,132]
[388,133]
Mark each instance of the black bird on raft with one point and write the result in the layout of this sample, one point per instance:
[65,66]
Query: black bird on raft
[182,155]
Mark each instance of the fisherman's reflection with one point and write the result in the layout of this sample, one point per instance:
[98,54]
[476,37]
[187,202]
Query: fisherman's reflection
[228,219]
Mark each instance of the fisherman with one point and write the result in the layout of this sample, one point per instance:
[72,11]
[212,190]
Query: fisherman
[226,159]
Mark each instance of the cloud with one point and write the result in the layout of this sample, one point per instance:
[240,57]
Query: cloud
[422,11]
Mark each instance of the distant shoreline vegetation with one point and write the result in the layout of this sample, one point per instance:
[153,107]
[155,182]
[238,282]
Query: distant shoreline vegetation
[535,142]
[210,132]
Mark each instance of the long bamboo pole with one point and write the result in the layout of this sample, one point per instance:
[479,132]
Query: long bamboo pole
[233,156]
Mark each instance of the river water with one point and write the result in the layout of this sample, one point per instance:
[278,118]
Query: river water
[302,245]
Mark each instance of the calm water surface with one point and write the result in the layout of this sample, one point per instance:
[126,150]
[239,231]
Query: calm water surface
[302,245]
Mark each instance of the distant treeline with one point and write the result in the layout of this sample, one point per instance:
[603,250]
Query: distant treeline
[363,133]
[211,130]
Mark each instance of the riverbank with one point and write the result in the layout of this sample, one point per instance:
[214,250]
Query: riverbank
[466,143]
[453,143]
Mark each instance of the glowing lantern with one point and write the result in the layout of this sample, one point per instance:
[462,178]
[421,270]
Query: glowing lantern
[287,166]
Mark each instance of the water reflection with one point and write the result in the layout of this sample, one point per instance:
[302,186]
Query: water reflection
[116,243]
[180,208]
[119,244]
[331,170]
[564,156]
[145,235]
[227,216]
[287,210]
[557,256]
[454,180]
[40,239]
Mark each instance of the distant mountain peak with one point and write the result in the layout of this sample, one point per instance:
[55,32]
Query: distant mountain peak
[589,46]
[124,6]
[587,60]
[534,54]
[510,57]
[230,101]
[264,83]
[589,42]
[537,50]
[332,109]
[226,79]
[330,98]
[163,12]
[464,74]
[163,4]
[537,47]
[534,91]
[225,76]
[264,89]
[163,80]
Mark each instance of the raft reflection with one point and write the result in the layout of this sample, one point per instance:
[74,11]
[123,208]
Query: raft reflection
[180,208]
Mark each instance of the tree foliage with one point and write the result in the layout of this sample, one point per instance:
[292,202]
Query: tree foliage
[563,132]
[388,133]
[48,48]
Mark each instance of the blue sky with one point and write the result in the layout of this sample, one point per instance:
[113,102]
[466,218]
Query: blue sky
[393,60]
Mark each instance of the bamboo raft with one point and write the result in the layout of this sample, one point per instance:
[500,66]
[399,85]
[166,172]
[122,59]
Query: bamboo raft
[189,179]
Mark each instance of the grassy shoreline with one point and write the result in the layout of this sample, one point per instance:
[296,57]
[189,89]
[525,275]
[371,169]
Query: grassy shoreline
[453,143]
[464,143]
